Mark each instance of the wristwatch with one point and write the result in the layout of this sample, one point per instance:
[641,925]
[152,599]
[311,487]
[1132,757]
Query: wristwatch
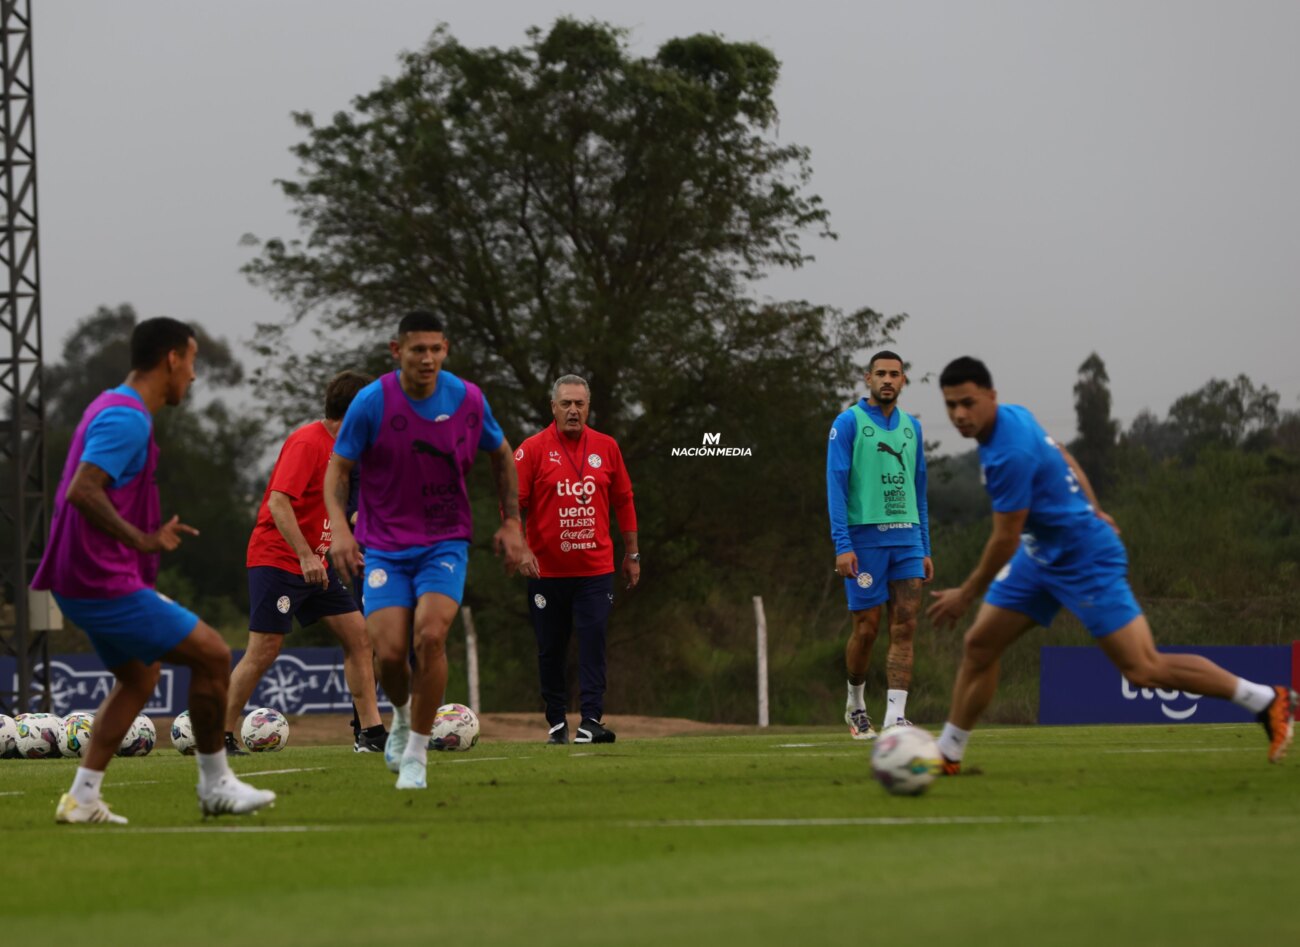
[634,556]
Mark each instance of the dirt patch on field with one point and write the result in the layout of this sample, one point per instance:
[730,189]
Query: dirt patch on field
[328,729]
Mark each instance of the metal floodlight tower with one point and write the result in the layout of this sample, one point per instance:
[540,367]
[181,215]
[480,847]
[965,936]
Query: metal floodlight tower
[23,509]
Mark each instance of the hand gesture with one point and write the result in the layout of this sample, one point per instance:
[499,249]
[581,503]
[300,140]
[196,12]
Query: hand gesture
[167,537]
[948,606]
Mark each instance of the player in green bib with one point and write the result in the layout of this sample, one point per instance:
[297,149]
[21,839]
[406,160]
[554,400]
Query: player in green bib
[875,490]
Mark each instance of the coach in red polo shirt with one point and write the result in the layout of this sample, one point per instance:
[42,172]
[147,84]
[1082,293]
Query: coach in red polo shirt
[569,478]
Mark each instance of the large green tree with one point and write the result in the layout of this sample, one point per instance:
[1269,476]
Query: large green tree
[566,206]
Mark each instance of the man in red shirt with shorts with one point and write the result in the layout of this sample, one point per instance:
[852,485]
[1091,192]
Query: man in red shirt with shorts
[569,475]
[289,573]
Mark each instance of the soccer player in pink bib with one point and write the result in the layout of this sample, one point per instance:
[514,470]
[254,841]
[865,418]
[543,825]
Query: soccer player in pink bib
[415,433]
[106,538]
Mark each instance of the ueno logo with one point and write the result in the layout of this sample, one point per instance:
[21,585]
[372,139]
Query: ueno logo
[1129,692]
[582,491]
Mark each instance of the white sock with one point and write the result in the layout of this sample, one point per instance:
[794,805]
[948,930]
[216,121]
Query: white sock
[895,706]
[85,785]
[856,700]
[952,742]
[417,747]
[212,766]
[1254,697]
[402,714]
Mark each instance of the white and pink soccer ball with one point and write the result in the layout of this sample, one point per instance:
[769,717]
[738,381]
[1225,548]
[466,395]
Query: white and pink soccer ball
[183,734]
[140,738]
[265,731]
[38,735]
[905,760]
[455,727]
[8,735]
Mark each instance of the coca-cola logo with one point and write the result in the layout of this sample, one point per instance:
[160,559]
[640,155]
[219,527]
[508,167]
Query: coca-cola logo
[578,534]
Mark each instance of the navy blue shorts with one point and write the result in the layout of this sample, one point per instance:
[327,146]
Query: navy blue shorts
[276,597]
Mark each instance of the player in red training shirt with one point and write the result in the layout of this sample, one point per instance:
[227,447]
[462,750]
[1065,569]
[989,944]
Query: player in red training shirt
[289,573]
[568,477]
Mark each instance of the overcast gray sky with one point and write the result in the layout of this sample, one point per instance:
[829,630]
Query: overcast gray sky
[1030,181]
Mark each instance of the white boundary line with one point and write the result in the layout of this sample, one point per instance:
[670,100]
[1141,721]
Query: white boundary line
[486,759]
[230,829]
[882,820]
[277,772]
[1188,749]
[16,792]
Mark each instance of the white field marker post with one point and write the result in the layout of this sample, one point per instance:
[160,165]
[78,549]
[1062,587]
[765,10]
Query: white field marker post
[471,657]
[760,620]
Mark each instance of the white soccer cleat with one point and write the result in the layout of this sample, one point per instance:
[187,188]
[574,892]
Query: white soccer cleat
[72,812]
[860,727]
[231,796]
[395,745]
[414,775]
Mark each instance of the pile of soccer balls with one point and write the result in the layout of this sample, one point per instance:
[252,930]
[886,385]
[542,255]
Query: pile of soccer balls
[37,736]
[264,731]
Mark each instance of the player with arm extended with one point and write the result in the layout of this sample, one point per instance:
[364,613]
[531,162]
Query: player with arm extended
[1052,546]
[876,493]
[289,573]
[415,433]
[106,537]
[570,478]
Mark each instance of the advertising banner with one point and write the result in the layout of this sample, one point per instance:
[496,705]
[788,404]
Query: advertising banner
[1080,685]
[301,681]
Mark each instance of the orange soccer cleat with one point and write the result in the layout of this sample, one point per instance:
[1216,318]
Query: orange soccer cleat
[1278,721]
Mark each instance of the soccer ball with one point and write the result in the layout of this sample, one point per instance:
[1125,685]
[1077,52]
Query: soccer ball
[74,738]
[265,731]
[140,738]
[905,760]
[183,733]
[8,736]
[38,735]
[455,727]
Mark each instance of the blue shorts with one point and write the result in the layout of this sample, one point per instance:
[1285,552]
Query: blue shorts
[277,596]
[142,626]
[401,578]
[877,567]
[1094,586]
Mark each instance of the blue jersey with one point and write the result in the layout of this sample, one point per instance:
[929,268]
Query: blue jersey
[117,440]
[1023,469]
[839,460]
[361,424]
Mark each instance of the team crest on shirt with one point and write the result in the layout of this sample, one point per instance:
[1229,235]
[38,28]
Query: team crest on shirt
[539,600]
[282,605]
[593,461]
[865,580]
[377,578]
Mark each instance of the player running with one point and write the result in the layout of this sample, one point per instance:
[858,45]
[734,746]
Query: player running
[101,562]
[1052,545]
[415,433]
[289,574]
[875,488]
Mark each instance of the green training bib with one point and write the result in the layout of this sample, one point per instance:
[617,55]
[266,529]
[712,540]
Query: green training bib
[882,480]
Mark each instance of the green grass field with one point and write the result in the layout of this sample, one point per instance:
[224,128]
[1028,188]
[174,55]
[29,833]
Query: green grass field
[1104,835]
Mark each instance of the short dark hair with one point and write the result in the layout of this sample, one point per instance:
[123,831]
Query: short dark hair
[964,369]
[419,320]
[339,393]
[152,339]
[883,354]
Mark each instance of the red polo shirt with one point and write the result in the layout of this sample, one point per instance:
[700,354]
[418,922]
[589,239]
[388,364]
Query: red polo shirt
[566,489]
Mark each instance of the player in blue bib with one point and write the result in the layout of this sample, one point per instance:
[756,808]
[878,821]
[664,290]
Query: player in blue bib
[875,491]
[1052,546]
